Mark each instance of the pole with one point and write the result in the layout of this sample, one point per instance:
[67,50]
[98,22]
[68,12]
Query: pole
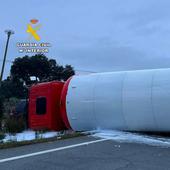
[9,32]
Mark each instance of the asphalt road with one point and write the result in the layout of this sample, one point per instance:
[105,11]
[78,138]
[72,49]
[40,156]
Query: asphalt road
[102,155]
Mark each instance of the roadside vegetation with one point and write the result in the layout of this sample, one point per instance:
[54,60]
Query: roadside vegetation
[25,71]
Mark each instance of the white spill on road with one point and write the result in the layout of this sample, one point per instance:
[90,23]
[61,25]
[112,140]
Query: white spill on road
[129,137]
[28,135]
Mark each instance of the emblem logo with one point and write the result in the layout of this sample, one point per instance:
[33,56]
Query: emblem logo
[33,30]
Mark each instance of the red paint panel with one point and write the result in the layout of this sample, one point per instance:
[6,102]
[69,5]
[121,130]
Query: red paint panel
[52,119]
[63,110]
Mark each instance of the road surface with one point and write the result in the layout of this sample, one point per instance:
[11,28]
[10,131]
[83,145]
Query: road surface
[85,153]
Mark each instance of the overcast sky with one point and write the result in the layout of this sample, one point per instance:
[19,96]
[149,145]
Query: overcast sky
[96,35]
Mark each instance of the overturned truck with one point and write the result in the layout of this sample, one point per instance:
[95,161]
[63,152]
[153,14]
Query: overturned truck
[126,100]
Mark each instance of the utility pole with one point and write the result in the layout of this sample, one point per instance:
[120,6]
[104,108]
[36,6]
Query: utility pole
[9,33]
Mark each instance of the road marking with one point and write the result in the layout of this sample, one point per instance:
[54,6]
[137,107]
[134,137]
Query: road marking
[50,150]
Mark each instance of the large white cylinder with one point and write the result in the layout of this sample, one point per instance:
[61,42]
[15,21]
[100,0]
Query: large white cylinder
[126,100]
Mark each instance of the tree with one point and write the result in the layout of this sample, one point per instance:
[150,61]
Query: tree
[25,67]
[10,89]
[68,72]
[41,67]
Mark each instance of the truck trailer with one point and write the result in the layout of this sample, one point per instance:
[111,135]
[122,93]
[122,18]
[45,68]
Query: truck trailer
[126,100]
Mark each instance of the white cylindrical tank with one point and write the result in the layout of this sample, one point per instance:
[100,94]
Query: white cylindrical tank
[127,100]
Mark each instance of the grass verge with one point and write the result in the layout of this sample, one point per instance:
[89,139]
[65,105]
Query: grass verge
[41,140]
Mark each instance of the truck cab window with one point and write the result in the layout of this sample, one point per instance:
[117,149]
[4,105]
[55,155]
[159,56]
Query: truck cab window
[41,105]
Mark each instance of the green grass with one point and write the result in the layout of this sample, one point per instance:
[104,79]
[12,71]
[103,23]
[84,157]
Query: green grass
[12,144]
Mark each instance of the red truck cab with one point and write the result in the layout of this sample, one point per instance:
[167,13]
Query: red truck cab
[44,106]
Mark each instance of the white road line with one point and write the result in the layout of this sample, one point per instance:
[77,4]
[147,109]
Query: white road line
[50,150]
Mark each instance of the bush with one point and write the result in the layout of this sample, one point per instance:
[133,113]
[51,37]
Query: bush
[2,135]
[1,111]
[9,105]
[14,125]
[1,108]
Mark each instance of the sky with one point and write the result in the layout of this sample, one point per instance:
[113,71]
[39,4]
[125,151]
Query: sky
[92,35]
